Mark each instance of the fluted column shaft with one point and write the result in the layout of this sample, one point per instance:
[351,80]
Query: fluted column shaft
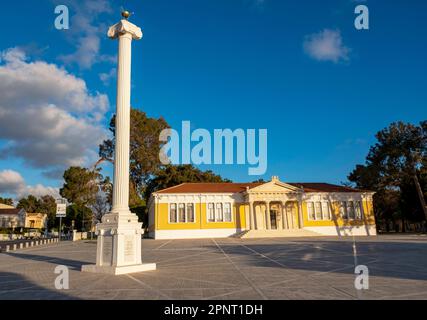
[122,148]
[268,215]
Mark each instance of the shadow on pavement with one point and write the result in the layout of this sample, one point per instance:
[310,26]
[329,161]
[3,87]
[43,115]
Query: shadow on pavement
[16,287]
[72,264]
[384,259]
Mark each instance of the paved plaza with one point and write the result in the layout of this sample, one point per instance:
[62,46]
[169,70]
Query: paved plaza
[292,268]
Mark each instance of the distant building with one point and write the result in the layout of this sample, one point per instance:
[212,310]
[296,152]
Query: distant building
[35,220]
[215,210]
[10,217]
[5,206]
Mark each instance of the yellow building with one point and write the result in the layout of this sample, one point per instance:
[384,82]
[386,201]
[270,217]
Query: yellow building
[215,210]
[35,220]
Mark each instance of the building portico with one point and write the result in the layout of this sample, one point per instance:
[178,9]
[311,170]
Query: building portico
[274,206]
[274,215]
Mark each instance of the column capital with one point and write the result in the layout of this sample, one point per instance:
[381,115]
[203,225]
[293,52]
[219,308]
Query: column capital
[125,27]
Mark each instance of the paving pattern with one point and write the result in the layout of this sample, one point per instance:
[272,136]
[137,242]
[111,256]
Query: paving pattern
[216,269]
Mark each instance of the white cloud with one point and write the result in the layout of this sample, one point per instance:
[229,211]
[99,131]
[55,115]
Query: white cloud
[86,32]
[326,45]
[107,77]
[12,183]
[48,117]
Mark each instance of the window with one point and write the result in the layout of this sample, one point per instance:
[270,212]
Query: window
[358,208]
[181,212]
[172,213]
[190,212]
[211,212]
[350,209]
[343,210]
[310,207]
[227,212]
[326,211]
[219,213]
[318,209]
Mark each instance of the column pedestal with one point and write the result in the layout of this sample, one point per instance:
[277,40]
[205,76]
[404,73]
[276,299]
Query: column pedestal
[119,246]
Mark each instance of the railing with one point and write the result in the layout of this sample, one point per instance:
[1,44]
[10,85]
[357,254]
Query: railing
[27,244]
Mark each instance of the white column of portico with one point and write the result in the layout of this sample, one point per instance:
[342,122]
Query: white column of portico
[279,217]
[256,222]
[251,217]
[267,215]
[300,215]
[119,234]
[284,215]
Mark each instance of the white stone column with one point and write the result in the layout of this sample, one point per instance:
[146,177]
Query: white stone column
[267,215]
[119,234]
[284,216]
[279,218]
[251,216]
[122,149]
[300,215]
[256,222]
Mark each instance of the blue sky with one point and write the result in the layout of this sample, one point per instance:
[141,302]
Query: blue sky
[220,64]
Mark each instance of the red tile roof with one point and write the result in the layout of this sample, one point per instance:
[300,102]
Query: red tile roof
[10,211]
[324,187]
[210,188]
[239,187]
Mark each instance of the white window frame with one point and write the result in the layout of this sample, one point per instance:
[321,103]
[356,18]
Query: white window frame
[231,211]
[186,212]
[170,211]
[180,204]
[350,206]
[343,210]
[311,203]
[217,213]
[329,213]
[317,209]
[358,205]
[207,212]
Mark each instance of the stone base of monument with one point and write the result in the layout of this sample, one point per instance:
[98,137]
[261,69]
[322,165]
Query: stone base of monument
[119,270]
[119,246]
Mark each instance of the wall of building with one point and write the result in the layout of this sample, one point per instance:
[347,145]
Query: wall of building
[161,228]
[201,221]
[338,220]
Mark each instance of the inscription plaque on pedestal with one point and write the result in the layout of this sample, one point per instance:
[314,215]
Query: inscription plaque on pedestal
[129,248]
[107,251]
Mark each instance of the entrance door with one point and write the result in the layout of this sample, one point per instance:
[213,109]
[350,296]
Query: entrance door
[273,218]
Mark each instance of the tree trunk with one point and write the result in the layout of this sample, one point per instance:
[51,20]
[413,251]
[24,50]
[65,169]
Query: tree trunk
[420,195]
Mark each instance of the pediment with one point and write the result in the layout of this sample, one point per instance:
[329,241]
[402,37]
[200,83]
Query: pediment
[275,186]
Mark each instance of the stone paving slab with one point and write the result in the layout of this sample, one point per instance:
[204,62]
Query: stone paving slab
[220,269]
